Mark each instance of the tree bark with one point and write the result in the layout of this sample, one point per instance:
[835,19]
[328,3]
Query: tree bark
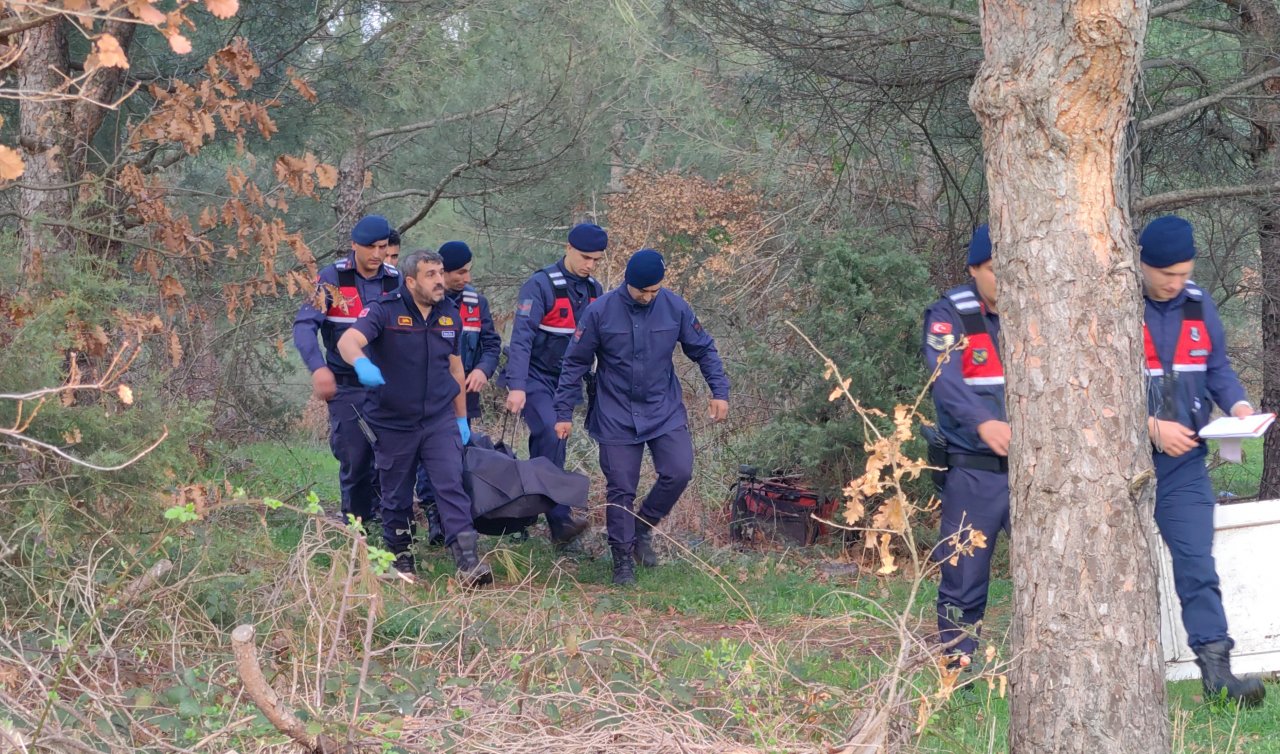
[1053,97]
[349,204]
[1260,22]
[45,133]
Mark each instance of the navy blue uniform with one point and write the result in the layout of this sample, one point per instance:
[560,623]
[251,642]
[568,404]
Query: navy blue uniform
[343,294]
[479,347]
[547,309]
[1188,371]
[639,401]
[413,413]
[968,391]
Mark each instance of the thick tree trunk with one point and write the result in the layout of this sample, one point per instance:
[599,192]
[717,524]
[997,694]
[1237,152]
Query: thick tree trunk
[45,133]
[1053,97]
[348,204]
[1260,22]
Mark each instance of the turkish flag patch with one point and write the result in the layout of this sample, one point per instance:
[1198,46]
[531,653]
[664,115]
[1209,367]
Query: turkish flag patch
[940,328]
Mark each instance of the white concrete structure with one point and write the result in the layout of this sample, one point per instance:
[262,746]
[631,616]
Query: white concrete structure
[1246,545]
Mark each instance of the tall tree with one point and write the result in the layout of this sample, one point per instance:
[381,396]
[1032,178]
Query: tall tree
[1053,96]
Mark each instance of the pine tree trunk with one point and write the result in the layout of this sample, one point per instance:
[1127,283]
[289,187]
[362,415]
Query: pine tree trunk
[1053,97]
[45,133]
[1260,22]
[349,205]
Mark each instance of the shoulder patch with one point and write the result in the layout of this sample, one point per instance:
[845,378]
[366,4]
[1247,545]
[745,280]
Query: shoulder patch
[364,313]
[940,328]
[940,342]
[524,308]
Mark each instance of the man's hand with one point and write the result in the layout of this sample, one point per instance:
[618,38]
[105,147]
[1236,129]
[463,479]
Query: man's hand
[515,401]
[1171,438]
[563,430]
[718,410]
[1241,410]
[323,385]
[476,381]
[995,434]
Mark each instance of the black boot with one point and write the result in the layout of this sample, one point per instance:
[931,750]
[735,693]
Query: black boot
[402,568]
[564,533]
[472,572]
[435,532]
[624,568]
[645,555]
[1214,660]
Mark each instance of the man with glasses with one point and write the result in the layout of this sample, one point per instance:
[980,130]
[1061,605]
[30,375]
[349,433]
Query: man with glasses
[344,290]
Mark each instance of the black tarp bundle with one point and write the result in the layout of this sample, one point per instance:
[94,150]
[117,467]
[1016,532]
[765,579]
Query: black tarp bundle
[507,494]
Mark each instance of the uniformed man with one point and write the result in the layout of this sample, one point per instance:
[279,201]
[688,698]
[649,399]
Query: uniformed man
[548,308]
[393,248]
[417,409]
[631,334]
[479,347]
[1187,372]
[969,397]
[343,290]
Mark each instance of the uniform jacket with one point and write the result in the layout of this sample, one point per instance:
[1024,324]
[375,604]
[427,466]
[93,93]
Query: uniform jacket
[342,305]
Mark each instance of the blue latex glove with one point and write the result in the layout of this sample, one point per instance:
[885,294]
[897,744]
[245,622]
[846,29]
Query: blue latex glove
[368,373]
[465,430]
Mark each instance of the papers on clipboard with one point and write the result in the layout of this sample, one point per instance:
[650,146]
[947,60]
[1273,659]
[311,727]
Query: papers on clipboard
[1230,431]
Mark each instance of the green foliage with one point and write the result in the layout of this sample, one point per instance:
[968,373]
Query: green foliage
[867,293]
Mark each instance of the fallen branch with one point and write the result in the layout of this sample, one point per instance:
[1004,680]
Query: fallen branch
[266,698]
[134,590]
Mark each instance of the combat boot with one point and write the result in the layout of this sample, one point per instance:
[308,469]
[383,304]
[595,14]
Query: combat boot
[1214,661]
[624,568]
[645,555]
[402,568]
[563,534]
[472,572]
[435,531]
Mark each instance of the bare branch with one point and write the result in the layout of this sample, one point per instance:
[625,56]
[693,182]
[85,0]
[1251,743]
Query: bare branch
[1198,104]
[444,120]
[1175,199]
[264,696]
[1172,7]
[136,589]
[18,436]
[458,170]
[925,10]
[18,24]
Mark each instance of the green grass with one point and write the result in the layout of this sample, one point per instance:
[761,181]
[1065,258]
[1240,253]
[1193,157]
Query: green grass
[1239,479]
[710,599]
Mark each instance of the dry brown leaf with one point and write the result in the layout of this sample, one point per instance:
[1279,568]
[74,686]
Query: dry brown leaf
[107,53]
[11,164]
[179,43]
[146,12]
[126,394]
[326,176]
[223,9]
[303,88]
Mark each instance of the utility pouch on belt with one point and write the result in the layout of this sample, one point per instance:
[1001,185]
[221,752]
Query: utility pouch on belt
[938,456]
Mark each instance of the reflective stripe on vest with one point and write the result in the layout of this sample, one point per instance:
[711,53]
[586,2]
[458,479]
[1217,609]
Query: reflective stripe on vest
[1194,344]
[980,362]
[560,318]
[347,309]
[470,312]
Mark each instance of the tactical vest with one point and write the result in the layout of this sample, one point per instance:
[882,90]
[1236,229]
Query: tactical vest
[558,324]
[980,367]
[1178,390]
[469,310]
[346,307]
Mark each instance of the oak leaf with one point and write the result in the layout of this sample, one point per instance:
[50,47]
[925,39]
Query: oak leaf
[223,9]
[326,176]
[179,43]
[107,53]
[146,12]
[11,164]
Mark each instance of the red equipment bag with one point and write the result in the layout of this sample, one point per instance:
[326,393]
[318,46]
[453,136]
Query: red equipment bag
[773,509]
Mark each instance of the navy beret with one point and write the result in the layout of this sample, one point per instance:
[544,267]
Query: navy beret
[455,254]
[370,230]
[645,268]
[980,245]
[1167,241]
[588,237]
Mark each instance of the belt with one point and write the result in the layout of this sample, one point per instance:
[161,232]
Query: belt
[347,380]
[981,463]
